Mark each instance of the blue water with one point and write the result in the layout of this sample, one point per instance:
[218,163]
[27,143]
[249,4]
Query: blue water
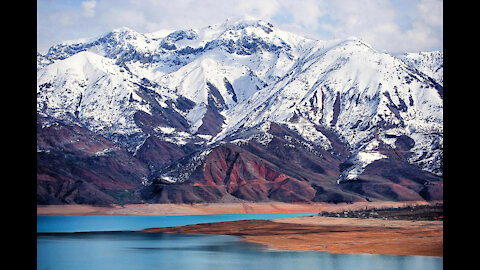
[137,250]
[134,223]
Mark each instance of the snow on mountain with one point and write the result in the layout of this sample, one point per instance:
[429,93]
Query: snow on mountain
[237,76]
[356,91]
[122,44]
[430,63]
[92,90]
[42,61]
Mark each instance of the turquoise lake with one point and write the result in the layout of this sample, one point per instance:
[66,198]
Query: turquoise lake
[135,223]
[60,247]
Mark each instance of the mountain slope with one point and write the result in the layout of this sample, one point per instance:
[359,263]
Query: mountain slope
[358,93]
[247,96]
[430,63]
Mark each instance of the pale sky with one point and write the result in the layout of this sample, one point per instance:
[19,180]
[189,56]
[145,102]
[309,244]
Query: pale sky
[393,26]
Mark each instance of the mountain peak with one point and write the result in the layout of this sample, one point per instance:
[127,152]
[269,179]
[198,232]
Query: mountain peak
[242,22]
[122,33]
[358,42]
[188,105]
[240,19]
[122,29]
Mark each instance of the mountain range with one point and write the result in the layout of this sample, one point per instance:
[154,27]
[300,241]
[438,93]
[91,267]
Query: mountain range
[238,111]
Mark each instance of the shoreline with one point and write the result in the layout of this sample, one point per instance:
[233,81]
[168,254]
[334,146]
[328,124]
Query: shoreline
[216,208]
[330,234]
[395,231]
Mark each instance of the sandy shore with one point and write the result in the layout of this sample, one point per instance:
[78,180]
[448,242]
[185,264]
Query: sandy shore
[334,235]
[212,208]
[331,234]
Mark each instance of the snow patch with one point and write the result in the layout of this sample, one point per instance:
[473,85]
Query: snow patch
[359,162]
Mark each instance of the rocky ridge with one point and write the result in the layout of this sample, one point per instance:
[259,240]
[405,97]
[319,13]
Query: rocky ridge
[236,111]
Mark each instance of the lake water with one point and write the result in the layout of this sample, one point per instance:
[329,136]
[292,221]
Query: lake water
[135,223]
[137,250]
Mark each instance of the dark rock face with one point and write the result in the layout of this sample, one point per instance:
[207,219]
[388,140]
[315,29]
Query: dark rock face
[213,120]
[229,169]
[336,110]
[156,153]
[257,172]
[394,179]
[164,158]
[76,166]
[230,89]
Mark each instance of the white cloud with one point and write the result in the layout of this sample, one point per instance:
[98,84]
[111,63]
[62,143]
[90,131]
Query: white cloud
[431,12]
[89,8]
[375,21]
[378,23]
[62,19]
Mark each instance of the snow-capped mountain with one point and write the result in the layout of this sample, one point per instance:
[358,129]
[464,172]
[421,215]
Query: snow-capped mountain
[174,101]
[430,63]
